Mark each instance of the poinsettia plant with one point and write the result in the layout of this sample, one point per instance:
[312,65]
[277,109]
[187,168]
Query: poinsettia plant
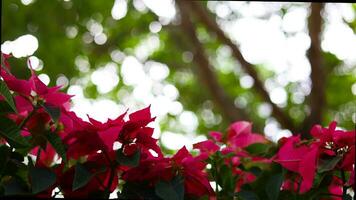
[46,150]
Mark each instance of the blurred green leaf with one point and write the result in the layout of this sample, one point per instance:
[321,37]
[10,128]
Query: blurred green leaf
[273,186]
[172,190]
[10,131]
[57,144]
[325,165]
[131,161]
[41,179]
[81,177]
[53,111]
[4,90]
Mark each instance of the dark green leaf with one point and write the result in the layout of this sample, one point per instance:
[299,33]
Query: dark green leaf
[247,195]
[10,131]
[57,144]
[53,111]
[14,187]
[173,190]
[41,179]
[257,148]
[131,161]
[132,190]
[4,90]
[4,157]
[81,177]
[328,164]
[5,108]
[347,197]
[273,186]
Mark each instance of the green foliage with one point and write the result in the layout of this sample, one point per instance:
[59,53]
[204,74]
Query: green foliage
[131,161]
[10,131]
[41,179]
[57,144]
[81,177]
[172,190]
[53,111]
[274,185]
[5,92]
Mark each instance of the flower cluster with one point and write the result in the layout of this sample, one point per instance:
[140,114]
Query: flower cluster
[90,157]
[46,149]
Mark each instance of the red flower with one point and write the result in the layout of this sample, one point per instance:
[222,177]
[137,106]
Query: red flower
[334,142]
[240,135]
[35,88]
[195,179]
[299,158]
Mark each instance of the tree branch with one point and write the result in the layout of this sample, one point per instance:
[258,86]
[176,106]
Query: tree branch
[282,118]
[205,70]
[317,94]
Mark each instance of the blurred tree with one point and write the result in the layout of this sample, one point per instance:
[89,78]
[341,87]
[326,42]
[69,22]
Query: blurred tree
[206,62]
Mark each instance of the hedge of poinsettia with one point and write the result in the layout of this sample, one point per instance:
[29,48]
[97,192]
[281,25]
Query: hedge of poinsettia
[45,149]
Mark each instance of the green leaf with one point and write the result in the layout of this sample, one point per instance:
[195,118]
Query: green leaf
[14,187]
[81,177]
[131,161]
[173,190]
[347,197]
[4,158]
[247,195]
[53,111]
[5,108]
[10,131]
[328,164]
[257,148]
[57,144]
[41,179]
[4,90]
[273,186]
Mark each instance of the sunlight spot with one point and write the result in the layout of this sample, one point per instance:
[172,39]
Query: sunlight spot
[23,46]
[36,63]
[62,81]
[26,2]
[295,20]
[264,110]
[188,120]
[44,78]
[100,39]
[353,89]
[174,141]
[75,90]
[119,9]
[82,63]
[157,71]
[117,56]
[175,108]
[278,95]
[71,31]
[139,5]
[187,56]
[105,78]
[246,81]
[162,8]
[132,71]
[171,92]
[155,27]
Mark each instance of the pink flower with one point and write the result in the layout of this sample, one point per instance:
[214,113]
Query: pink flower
[195,179]
[299,158]
[240,135]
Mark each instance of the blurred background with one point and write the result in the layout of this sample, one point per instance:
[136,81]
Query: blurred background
[200,65]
